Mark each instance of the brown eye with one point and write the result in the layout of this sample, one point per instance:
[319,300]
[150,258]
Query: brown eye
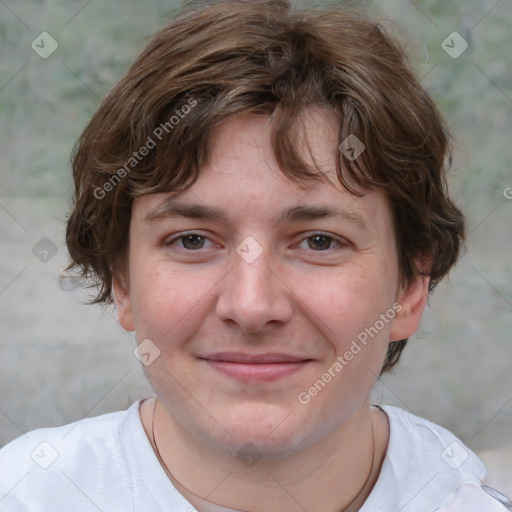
[192,242]
[319,242]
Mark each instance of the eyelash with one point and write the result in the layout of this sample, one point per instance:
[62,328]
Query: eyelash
[181,236]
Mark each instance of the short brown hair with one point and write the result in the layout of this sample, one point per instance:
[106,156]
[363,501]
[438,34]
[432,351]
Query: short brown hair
[232,58]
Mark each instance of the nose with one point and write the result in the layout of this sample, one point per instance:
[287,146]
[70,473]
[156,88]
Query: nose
[255,293]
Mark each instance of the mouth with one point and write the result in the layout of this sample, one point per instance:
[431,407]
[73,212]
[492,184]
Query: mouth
[255,367]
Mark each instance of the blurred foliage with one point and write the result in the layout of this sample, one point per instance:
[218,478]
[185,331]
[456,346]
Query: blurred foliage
[44,104]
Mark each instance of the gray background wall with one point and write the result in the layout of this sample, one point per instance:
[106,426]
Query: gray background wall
[61,360]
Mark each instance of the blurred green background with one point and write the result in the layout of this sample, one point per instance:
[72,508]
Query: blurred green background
[62,360]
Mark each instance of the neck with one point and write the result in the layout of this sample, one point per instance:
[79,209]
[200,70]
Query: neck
[334,474]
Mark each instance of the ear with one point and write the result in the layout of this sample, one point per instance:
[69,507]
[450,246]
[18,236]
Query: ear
[123,302]
[412,300]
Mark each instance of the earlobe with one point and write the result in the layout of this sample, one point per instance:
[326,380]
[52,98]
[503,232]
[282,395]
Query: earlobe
[412,300]
[122,300]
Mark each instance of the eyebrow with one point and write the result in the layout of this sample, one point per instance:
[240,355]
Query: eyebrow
[171,208]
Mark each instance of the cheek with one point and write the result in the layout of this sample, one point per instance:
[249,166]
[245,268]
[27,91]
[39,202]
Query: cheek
[349,306]
[169,303]
[348,302]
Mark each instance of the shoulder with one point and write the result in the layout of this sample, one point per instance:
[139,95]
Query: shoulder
[57,458]
[46,446]
[476,498]
[412,427]
[425,465]
[414,440]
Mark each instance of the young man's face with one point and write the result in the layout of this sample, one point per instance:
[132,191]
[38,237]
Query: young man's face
[256,306]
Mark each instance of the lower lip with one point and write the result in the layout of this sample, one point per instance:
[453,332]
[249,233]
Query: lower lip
[264,372]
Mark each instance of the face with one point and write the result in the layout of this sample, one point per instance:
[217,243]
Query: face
[256,294]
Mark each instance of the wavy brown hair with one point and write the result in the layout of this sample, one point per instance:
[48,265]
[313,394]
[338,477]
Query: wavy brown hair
[217,61]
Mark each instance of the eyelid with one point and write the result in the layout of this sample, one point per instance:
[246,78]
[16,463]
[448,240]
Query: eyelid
[170,240]
[339,241]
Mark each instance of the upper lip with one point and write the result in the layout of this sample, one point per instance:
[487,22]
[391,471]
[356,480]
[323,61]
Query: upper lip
[244,358]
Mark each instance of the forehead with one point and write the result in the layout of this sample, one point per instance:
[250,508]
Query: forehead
[314,133]
[243,180]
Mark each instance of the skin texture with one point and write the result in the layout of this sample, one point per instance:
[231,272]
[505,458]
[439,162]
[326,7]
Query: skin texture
[301,296]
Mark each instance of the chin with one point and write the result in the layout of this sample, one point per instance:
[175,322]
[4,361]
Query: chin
[268,430]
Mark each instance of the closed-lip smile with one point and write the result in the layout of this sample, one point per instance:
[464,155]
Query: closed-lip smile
[255,367]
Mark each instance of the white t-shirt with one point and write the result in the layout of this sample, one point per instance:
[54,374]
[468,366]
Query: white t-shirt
[107,464]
